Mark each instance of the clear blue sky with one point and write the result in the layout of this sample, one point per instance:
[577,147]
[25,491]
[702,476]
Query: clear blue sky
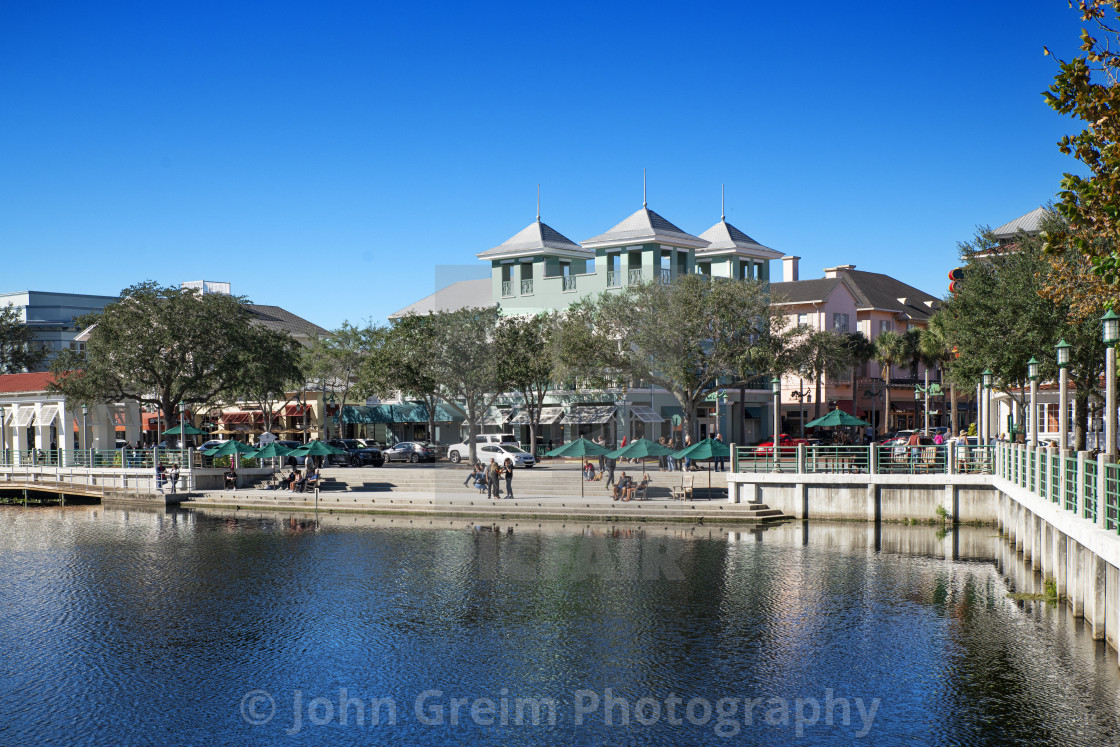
[327,157]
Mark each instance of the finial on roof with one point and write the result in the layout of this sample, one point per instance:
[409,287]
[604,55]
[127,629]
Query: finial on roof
[723,202]
[644,203]
[538,203]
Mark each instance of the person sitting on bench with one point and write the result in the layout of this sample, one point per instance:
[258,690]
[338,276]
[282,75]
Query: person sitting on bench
[292,479]
[312,479]
[623,485]
[231,478]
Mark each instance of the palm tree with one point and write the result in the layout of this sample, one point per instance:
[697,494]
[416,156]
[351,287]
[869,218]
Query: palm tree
[935,347]
[860,351]
[826,355]
[890,350]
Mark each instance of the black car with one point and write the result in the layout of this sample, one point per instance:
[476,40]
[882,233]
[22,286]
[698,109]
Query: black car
[357,454]
[410,451]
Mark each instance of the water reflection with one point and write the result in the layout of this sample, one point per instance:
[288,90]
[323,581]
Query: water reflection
[122,624]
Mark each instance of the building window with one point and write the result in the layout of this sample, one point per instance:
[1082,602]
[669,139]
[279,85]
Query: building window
[803,320]
[885,326]
[840,322]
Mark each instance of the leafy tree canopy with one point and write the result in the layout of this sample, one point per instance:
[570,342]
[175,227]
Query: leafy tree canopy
[1086,88]
[690,337]
[163,346]
[19,352]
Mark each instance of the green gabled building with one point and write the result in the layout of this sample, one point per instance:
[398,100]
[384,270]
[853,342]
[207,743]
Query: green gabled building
[539,269]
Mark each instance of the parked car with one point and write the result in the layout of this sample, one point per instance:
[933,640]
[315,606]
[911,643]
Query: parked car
[410,451]
[461,451]
[292,445]
[787,445]
[357,453]
[212,444]
[501,452]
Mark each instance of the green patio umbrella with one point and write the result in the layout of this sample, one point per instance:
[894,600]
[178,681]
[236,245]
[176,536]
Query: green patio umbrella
[271,451]
[581,448]
[188,430]
[229,448]
[642,449]
[705,450]
[836,418]
[316,448]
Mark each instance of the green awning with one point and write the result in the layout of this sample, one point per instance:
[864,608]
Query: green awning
[396,414]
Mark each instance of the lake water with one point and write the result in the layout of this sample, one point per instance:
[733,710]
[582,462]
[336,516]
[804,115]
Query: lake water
[243,629]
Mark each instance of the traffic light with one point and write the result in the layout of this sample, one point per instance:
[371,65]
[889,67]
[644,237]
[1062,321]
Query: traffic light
[956,275]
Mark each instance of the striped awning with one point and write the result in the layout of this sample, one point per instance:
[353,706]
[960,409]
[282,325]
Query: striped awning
[589,415]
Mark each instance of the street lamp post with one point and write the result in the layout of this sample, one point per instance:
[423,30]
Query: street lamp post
[182,439]
[4,438]
[1062,349]
[801,395]
[921,392]
[1110,333]
[1032,423]
[986,380]
[776,389]
[84,446]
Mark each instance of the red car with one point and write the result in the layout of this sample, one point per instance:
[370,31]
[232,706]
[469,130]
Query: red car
[787,446]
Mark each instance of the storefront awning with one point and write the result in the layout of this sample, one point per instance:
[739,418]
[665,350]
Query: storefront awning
[22,419]
[589,415]
[46,415]
[243,417]
[645,414]
[293,411]
[549,414]
[495,416]
[407,412]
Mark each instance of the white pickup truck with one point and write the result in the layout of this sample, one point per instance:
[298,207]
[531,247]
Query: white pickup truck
[458,452]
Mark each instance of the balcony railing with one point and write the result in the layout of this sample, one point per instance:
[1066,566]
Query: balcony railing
[613,279]
[507,288]
[527,287]
[634,277]
[569,283]
[666,276]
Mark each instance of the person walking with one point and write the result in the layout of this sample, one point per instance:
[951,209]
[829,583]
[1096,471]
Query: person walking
[721,462]
[609,468]
[687,460]
[507,470]
[173,478]
[602,459]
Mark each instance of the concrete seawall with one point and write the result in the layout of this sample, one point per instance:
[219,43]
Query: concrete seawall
[967,498]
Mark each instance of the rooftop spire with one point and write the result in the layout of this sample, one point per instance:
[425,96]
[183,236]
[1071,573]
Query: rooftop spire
[644,203]
[538,203]
[723,202]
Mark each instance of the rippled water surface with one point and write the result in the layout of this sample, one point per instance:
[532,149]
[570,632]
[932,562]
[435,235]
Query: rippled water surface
[146,628]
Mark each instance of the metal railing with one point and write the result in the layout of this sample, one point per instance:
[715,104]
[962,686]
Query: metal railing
[507,288]
[899,460]
[1112,496]
[912,460]
[129,458]
[613,279]
[1089,491]
[1069,468]
[569,282]
[527,287]
[836,459]
[634,276]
